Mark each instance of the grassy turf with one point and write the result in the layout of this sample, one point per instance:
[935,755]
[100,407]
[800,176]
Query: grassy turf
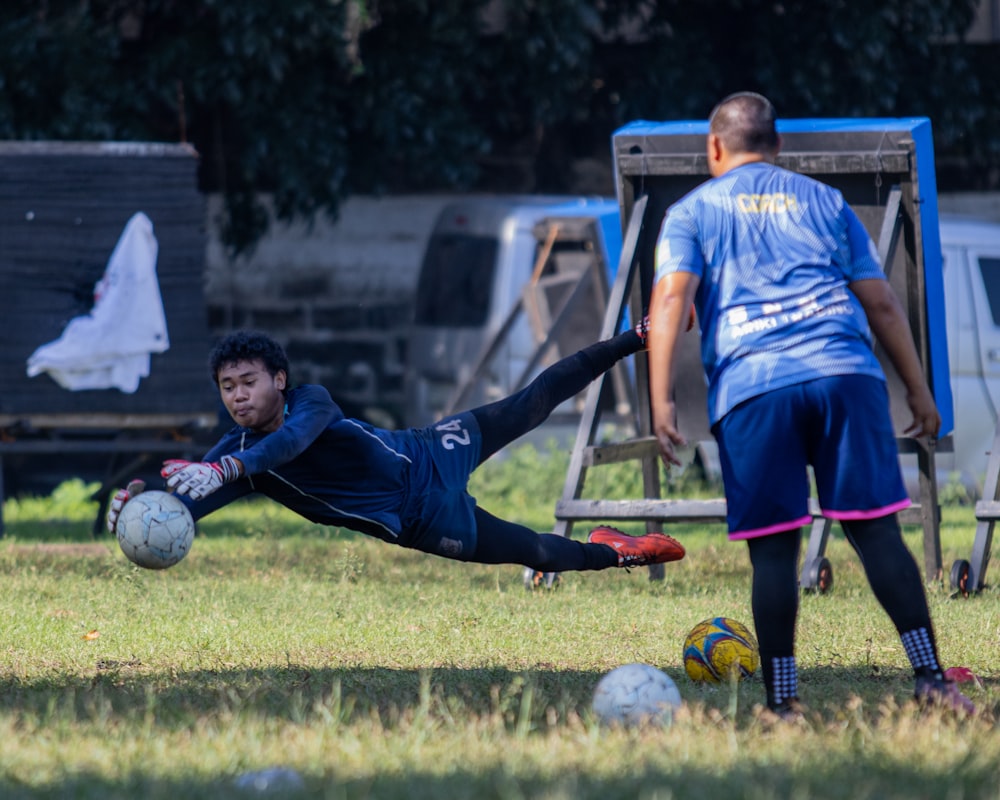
[377,672]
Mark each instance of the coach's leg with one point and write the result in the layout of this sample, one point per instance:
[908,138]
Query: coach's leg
[894,577]
[775,601]
[502,422]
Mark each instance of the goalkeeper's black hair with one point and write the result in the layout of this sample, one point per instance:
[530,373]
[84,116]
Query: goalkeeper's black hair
[248,346]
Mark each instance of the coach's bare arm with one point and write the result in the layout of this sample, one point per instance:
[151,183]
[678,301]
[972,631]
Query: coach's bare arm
[669,314]
[891,328]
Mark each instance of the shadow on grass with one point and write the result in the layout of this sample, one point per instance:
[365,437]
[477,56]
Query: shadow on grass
[860,775]
[300,694]
[121,695]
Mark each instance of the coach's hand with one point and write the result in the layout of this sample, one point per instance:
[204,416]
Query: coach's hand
[120,498]
[668,438]
[199,479]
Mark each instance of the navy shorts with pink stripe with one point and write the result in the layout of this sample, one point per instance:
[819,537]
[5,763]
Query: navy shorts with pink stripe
[839,425]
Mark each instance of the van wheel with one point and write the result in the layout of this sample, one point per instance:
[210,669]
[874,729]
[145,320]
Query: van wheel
[819,576]
[960,577]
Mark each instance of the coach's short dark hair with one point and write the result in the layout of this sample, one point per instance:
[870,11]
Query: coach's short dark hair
[248,346]
[745,123]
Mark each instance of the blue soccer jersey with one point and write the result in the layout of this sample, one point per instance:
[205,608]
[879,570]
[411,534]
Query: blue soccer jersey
[406,487]
[774,252]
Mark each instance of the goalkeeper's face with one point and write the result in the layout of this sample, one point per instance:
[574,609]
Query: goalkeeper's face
[253,396]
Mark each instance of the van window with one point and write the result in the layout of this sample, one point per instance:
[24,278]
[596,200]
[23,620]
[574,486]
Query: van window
[990,269]
[456,280]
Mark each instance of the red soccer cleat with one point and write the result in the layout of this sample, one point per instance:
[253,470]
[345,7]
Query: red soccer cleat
[638,551]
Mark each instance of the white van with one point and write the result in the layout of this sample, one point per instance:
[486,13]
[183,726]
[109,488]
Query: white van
[479,257]
[971,250]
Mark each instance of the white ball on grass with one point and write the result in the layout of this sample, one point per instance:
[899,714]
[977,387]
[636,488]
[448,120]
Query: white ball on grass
[636,694]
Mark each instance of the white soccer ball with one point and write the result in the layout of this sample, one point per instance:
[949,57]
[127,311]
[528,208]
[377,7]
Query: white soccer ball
[636,694]
[155,529]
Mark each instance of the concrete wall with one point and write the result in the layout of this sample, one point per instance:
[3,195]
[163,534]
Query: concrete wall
[338,296]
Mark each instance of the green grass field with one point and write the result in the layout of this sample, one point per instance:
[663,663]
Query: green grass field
[376,672]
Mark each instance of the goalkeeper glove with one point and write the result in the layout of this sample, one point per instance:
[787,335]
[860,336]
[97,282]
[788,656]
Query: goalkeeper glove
[119,499]
[198,479]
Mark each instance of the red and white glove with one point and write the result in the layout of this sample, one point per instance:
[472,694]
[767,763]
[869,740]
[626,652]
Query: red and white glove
[198,479]
[118,501]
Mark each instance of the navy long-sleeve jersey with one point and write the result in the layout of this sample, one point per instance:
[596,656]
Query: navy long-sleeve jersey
[406,487]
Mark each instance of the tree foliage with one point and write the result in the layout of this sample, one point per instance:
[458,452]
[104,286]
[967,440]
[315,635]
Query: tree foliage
[310,101]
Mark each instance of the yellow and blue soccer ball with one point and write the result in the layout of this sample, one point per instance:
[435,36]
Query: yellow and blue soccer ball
[718,649]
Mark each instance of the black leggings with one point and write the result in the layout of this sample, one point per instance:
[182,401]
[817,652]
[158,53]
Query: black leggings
[503,542]
[891,570]
[889,566]
[500,423]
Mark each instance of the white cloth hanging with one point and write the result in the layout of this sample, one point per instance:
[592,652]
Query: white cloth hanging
[109,348]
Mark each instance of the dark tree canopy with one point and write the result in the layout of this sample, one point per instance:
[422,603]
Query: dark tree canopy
[311,101]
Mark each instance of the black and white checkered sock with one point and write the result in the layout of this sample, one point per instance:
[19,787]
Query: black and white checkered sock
[784,681]
[920,649]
